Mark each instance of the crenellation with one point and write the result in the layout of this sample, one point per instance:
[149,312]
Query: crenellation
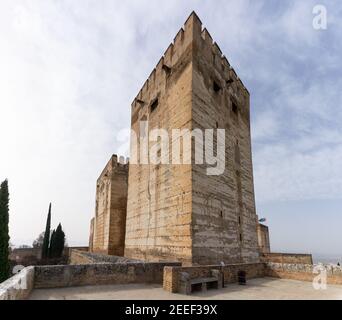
[217,51]
[207,37]
[174,52]
[168,55]
[178,40]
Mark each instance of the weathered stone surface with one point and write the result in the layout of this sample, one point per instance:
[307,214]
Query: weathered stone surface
[178,212]
[107,231]
[19,286]
[80,257]
[98,274]
[287,258]
[263,239]
[303,272]
[172,275]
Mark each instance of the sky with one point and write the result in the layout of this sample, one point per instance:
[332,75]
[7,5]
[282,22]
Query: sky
[69,70]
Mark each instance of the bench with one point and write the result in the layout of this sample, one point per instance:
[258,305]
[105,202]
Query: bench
[188,285]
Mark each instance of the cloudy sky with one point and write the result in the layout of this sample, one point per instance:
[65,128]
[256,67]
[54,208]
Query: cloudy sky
[69,70]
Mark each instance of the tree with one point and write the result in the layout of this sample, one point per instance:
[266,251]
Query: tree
[46,241]
[38,243]
[4,232]
[57,243]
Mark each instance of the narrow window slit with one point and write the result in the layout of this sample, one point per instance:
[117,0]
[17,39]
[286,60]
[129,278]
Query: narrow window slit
[154,105]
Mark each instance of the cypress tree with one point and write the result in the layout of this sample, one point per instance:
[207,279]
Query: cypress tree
[59,241]
[46,242]
[4,232]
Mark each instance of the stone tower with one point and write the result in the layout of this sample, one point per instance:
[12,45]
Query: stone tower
[178,212]
[107,230]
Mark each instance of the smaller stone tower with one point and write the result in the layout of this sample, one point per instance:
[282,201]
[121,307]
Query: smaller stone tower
[107,231]
[263,239]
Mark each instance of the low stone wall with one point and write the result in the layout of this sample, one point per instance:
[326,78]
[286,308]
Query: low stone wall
[33,256]
[230,273]
[303,272]
[291,258]
[19,286]
[99,274]
[77,257]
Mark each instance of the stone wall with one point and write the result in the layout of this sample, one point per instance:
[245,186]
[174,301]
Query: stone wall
[224,220]
[91,235]
[303,272]
[80,257]
[289,258]
[19,286]
[230,273]
[179,212]
[32,256]
[99,274]
[263,239]
[107,230]
[26,255]
[159,209]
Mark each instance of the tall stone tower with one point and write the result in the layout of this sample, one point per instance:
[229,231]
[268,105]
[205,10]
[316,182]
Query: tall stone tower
[107,229]
[178,212]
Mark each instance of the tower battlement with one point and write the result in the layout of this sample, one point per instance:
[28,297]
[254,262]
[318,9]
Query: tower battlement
[114,162]
[190,35]
[179,212]
[107,230]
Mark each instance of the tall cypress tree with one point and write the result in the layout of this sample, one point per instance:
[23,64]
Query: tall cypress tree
[57,242]
[60,241]
[46,242]
[4,232]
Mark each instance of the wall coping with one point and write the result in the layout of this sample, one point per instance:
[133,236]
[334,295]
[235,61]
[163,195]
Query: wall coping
[19,286]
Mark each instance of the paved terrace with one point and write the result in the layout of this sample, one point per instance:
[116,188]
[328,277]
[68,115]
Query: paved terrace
[256,289]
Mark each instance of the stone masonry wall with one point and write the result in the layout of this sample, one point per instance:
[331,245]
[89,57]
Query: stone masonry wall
[302,272]
[99,274]
[108,228]
[263,238]
[230,273]
[224,218]
[287,258]
[80,257]
[159,209]
[177,212]
[19,286]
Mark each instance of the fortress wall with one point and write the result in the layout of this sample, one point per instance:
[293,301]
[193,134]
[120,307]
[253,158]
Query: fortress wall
[98,274]
[224,205]
[263,239]
[109,224]
[303,272]
[159,208]
[287,258]
[230,273]
[180,212]
[19,286]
